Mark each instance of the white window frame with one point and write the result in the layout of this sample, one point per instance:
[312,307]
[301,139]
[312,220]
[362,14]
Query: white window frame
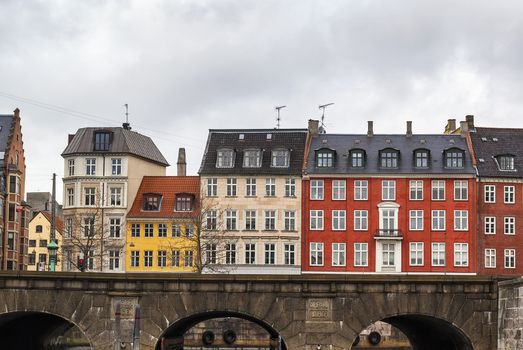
[270,253]
[339,190]
[361,220]
[509,194]
[339,220]
[231,186]
[509,225]
[388,190]
[436,214]
[250,187]
[461,190]
[416,190]
[361,254]
[90,166]
[339,254]
[270,187]
[316,217]
[231,220]
[250,219]
[414,217]
[490,258]
[438,190]
[212,187]
[509,253]
[116,166]
[317,190]
[436,254]
[461,254]
[290,187]
[70,164]
[316,251]
[489,193]
[361,190]
[289,217]
[416,253]
[270,220]
[461,220]
[490,225]
[289,252]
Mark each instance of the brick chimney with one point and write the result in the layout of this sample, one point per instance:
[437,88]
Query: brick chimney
[470,121]
[370,128]
[451,126]
[182,164]
[409,128]
[314,127]
[464,128]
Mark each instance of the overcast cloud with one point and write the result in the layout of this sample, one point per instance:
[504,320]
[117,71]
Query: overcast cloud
[187,66]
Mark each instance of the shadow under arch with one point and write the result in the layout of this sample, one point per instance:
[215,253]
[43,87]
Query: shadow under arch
[426,332]
[180,327]
[31,330]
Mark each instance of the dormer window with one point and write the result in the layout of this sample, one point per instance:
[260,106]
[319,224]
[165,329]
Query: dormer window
[225,158]
[101,140]
[280,158]
[421,158]
[151,202]
[184,202]
[454,158]
[325,158]
[389,158]
[357,158]
[506,162]
[252,158]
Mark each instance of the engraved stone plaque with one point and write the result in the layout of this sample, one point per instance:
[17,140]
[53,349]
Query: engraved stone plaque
[127,305]
[319,310]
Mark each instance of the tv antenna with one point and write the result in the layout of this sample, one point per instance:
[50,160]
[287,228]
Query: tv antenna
[277,108]
[322,107]
[126,125]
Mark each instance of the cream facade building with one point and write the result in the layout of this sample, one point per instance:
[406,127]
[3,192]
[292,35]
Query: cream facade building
[39,237]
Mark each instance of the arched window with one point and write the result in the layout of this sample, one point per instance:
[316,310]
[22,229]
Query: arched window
[421,158]
[325,158]
[389,158]
[357,158]
[454,158]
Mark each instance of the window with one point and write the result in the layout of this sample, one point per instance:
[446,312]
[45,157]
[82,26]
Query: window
[361,254]
[135,230]
[389,158]
[289,254]
[70,163]
[510,258]
[114,227]
[505,162]
[250,253]
[250,187]
[338,190]
[212,187]
[316,189]
[510,225]
[162,230]
[461,254]
[461,190]
[270,220]
[90,166]
[101,141]
[338,220]
[175,258]
[148,230]
[183,203]
[114,260]
[316,222]
[32,243]
[490,193]
[162,258]
[490,225]
[388,254]
[225,158]
[135,258]
[211,253]
[12,212]
[230,220]
[11,240]
[461,220]
[88,227]
[38,228]
[148,258]
[116,166]
[250,220]
[438,220]
[12,184]
[252,158]
[280,158]
[289,217]
[357,158]
[270,187]
[416,220]
[416,190]
[270,253]
[438,190]
[211,220]
[231,187]
[490,258]
[176,230]
[388,190]
[338,254]
[421,158]
[89,196]
[230,253]
[32,259]
[438,254]
[454,158]
[361,220]
[416,254]
[188,258]
[189,230]
[151,202]
[316,254]
[360,190]
[290,187]
[509,194]
[116,196]
[324,158]
[90,260]
[43,243]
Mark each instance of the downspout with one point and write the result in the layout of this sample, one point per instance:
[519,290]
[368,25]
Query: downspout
[102,199]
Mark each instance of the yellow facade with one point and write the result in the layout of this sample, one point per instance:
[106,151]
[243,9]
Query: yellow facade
[39,234]
[156,249]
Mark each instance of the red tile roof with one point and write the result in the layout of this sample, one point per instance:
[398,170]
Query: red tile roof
[58,222]
[168,187]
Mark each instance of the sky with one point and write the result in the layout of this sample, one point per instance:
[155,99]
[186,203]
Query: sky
[184,67]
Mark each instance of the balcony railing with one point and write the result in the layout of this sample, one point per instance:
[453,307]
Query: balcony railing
[388,233]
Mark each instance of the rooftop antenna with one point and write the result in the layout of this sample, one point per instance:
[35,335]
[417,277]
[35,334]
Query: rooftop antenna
[277,108]
[322,107]
[126,125]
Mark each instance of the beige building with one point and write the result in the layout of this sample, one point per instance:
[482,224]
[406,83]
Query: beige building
[103,169]
[39,237]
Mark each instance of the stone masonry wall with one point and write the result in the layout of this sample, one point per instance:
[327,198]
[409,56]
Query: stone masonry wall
[510,315]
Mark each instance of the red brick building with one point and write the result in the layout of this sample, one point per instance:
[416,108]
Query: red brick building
[389,204]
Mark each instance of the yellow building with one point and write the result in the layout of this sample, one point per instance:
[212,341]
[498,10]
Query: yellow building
[162,226]
[39,235]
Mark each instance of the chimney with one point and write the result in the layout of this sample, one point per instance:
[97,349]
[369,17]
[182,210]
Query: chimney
[70,138]
[470,121]
[451,126]
[314,127]
[464,127]
[409,128]
[370,129]
[182,164]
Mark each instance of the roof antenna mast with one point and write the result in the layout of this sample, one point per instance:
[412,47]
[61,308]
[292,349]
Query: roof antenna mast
[322,107]
[126,125]
[277,108]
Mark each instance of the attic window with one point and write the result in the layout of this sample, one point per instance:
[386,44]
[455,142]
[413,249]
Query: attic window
[101,141]
[505,162]
[241,137]
[151,202]
[481,160]
[422,141]
[484,139]
[325,158]
[357,142]
[389,158]
[388,141]
[324,141]
[452,142]
[454,158]
[184,202]
[495,139]
[225,158]
[269,136]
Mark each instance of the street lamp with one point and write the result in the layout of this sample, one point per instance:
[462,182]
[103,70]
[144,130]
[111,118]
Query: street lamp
[52,247]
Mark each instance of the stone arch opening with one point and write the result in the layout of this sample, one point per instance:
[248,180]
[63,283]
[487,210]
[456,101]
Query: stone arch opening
[176,331]
[424,333]
[29,330]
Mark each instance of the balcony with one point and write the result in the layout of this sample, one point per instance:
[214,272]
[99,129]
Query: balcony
[388,234]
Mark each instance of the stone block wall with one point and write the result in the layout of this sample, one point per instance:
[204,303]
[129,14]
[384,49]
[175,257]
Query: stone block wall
[510,315]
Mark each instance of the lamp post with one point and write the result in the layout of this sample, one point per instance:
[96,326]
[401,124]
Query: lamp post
[52,247]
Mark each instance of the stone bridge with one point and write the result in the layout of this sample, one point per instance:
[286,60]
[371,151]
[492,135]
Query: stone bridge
[306,311]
